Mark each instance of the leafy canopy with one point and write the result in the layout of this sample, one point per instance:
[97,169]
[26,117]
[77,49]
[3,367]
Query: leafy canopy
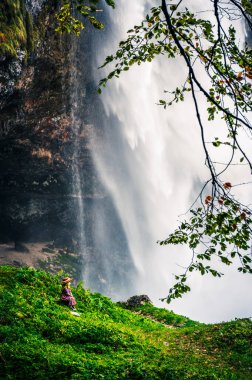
[68,22]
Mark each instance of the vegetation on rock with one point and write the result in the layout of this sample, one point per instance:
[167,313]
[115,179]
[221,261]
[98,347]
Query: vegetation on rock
[41,339]
[19,29]
[15,23]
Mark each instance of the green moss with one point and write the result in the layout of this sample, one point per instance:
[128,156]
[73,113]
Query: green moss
[29,32]
[18,29]
[12,26]
[40,339]
[246,4]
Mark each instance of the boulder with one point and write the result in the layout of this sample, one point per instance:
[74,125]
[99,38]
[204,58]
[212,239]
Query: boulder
[135,301]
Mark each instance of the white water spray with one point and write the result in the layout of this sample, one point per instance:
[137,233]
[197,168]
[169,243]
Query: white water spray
[153,167]
[77,193]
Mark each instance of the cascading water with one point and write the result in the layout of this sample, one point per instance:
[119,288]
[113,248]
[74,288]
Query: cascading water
[100,237]
[150,162]
[77,190]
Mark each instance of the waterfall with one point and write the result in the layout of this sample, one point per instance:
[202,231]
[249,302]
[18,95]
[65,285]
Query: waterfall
[77,189]
[151,164]
[101,241]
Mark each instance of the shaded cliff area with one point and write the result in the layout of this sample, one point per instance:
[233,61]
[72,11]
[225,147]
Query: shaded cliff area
[48,102]
[34,128]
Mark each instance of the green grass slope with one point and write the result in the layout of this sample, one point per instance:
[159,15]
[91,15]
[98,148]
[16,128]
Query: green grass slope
[40,339]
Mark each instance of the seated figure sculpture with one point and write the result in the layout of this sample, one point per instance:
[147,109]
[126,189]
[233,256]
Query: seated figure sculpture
[66,294]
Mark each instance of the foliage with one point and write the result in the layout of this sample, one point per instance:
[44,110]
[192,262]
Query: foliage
[41,339]
[18,29]
[221,230]
[246,4]
[68,22]
[12,27]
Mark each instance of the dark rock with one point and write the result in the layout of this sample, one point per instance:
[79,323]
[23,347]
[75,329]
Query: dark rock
[50,245]
[47,250]
[35,125]
[16,263]
[135,301]
[20,247]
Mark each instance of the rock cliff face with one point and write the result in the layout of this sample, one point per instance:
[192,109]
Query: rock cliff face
[49,111]
[38,136]
[35,138]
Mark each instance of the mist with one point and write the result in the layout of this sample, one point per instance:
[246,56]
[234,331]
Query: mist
[153,168]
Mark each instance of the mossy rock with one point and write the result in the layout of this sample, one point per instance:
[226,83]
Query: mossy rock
[13,27]
[19,30]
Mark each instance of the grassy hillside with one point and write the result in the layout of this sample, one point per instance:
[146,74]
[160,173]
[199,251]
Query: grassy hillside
[40,339]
